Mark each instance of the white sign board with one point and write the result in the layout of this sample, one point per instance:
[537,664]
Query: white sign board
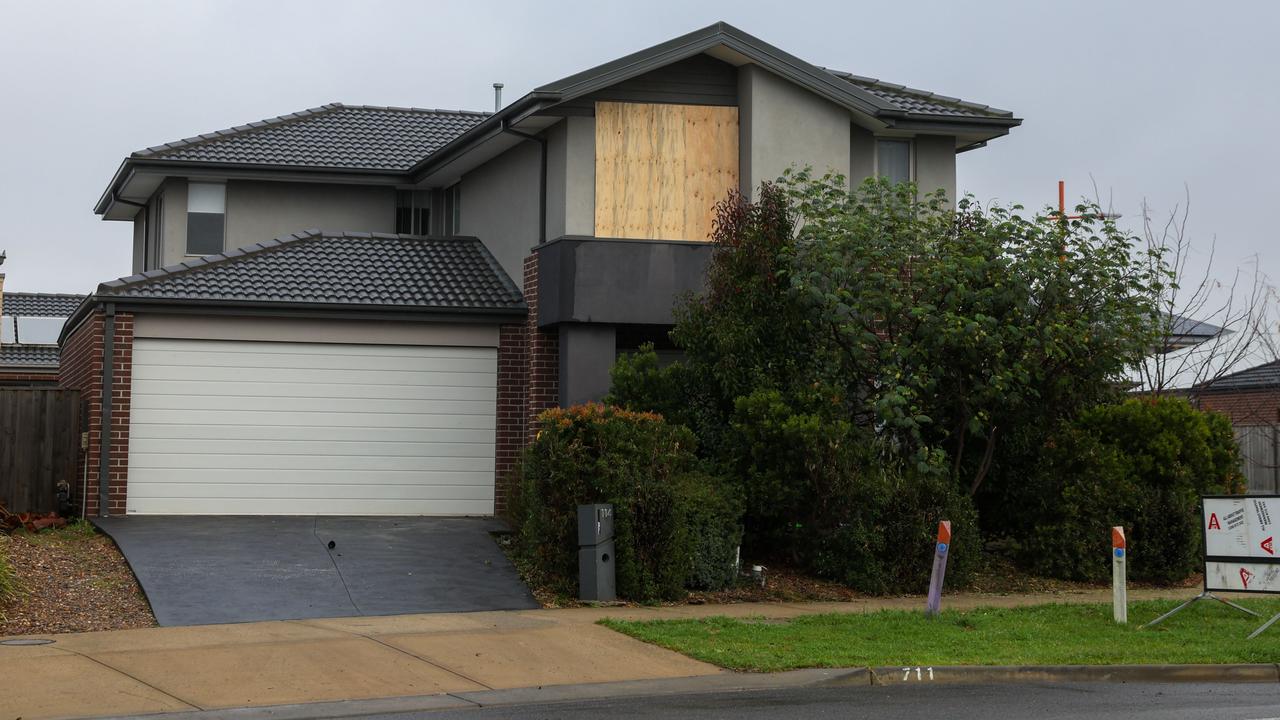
[1241,543]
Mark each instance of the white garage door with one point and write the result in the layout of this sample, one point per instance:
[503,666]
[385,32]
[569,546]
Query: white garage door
[252,428]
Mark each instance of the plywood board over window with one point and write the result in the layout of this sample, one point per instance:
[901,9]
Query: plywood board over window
[660,169]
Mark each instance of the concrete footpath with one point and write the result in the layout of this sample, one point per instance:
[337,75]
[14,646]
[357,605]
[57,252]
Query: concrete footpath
[159,670]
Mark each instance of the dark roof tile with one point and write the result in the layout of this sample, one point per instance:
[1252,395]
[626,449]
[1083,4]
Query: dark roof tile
[40,304]
[33,356]
[920,102]
[1262,376]
[339,268]
[338,136]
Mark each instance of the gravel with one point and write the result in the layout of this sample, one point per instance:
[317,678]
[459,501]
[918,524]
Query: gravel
[71,580]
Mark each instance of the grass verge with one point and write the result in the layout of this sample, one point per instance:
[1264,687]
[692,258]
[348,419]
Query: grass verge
[1036,635]
[8,578]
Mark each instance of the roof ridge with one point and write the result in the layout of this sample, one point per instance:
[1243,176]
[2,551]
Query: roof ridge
[923,94]
[238,130]
[205,261]
[399,108]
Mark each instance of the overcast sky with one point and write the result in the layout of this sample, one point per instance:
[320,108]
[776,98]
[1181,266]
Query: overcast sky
[1144,97]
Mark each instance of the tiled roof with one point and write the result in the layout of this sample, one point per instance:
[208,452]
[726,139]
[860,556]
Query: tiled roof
[338,268]
[1266,375]
[921,102]
[34,356]
[40,304]
[1186,327]
[335,135]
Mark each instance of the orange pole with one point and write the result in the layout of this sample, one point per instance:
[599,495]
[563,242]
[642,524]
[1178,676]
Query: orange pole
[1062,197]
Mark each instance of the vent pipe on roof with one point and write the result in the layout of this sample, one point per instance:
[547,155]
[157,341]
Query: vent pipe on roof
[497,97]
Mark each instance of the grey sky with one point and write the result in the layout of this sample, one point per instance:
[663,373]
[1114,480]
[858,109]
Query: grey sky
[1145,96]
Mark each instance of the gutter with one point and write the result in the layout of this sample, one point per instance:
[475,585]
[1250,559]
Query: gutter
[108,378]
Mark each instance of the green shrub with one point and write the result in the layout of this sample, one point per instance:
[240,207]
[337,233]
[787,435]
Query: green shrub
[714,520]
[820,494]
[1142,464]
[641,465]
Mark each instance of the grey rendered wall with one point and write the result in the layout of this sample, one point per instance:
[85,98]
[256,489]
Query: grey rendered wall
[571,177]
[782,125]
[500,205]
[139,228]
[175,221]
[862,155]
[258,211]
[936,164]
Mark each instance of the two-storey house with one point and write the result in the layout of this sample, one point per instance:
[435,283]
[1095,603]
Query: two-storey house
[360,310]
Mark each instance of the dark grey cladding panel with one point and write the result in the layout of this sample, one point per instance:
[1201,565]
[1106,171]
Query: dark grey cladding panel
[623,282]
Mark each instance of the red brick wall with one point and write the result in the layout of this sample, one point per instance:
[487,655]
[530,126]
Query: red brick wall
[28,379]
[543,354]
[82,370]
[1244,407]
[512,383]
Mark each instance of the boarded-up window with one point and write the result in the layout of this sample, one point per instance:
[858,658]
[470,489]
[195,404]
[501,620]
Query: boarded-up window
[660,169]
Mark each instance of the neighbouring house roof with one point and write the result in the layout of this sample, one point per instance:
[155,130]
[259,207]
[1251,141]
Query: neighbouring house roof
[1188,328]
[34,357]
[331,270]
[40,304]
[27,355]
[1266,375]
[349,137]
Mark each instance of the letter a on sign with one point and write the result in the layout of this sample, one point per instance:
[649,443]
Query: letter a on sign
[1268,545]
[1213,522]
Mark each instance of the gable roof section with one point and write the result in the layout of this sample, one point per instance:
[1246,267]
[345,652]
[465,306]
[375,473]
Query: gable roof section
[347,137]
[40,304]
[888,104]
[335,269]
[1266,375]
[911,101]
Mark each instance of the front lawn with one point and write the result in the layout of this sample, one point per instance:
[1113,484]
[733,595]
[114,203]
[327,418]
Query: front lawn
[1038,635]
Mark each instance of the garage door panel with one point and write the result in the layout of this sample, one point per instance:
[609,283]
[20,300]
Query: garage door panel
[389,391]
[474,376]
[269,427]
[303,506]
[213,418]
[317,448]
[171,431]
[180,462]
[335,491]
[233,476]
[250,404]
[288,359]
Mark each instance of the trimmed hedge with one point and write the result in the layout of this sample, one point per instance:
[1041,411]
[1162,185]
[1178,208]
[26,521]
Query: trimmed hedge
[673,525]
[1142,464]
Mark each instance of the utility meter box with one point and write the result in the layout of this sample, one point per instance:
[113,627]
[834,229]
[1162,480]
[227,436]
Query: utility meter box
[596,580]
[595,524]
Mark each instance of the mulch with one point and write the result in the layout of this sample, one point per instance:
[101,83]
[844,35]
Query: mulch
[71,580]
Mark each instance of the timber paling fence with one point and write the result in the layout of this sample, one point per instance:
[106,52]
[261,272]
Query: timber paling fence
[39,446]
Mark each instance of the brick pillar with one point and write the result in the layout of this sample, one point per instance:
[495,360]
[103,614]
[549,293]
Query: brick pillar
[543,354]
[513,375]
[81,369]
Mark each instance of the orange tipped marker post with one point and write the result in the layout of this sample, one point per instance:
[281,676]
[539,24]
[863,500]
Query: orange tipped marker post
[1119,590]
[940,551]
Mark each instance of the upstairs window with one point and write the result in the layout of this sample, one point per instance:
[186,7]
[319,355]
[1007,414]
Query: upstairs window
[206,218]
[893,160]
[413,212]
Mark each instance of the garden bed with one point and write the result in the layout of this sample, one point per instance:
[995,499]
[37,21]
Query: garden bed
[1038,635]
[70,579]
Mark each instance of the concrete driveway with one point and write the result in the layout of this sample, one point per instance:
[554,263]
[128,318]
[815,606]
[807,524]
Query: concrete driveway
[198,570]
